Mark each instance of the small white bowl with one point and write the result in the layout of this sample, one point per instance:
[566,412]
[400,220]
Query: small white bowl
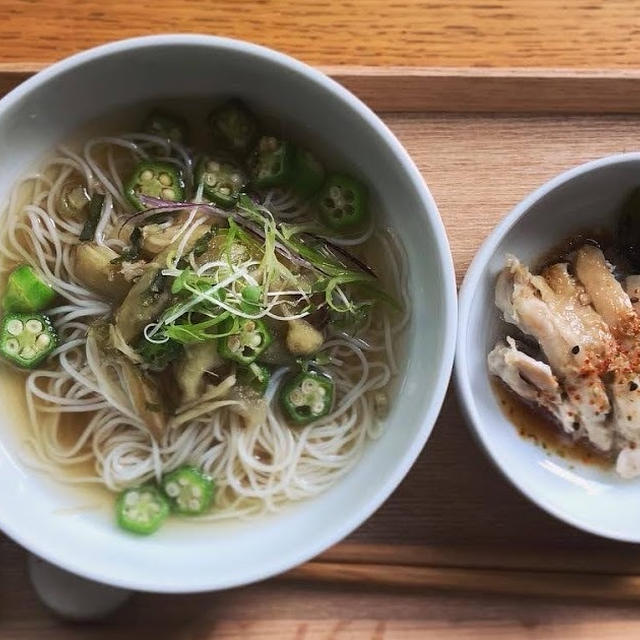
[583,198]
[185,557]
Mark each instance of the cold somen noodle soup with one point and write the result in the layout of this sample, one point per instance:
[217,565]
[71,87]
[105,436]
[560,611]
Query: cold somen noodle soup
[206,324]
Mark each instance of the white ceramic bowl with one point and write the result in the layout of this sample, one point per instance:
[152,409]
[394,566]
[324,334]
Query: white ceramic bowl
[189,557]
[583,198]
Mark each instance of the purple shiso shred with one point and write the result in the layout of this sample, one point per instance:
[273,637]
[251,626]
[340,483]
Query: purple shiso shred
[164,206]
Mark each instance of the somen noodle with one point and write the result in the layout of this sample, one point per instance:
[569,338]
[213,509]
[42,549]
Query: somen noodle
[257,458]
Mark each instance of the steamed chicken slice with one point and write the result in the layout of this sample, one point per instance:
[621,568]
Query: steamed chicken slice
[573,303]
[528,302]
[632,287]
[614,305]
[567,339]
[606,294]
[628,463]
[532,380]
[594,351]
[625,391]
[598,346]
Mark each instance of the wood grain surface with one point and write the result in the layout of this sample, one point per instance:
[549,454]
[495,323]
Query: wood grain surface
[461,90]
[503,33]
[454,522]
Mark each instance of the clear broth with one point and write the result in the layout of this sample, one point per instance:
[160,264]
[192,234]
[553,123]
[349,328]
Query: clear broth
[12,382]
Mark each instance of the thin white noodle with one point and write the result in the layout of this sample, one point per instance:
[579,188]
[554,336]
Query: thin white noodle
[105,214]
[258,466]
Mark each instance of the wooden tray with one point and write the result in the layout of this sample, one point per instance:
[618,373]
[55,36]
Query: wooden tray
[482,140]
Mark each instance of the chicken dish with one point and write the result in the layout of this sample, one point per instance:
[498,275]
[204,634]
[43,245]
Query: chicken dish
[573,348]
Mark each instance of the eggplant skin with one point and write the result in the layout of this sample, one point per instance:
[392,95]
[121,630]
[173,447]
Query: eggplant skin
[142,305]
[141,388]
[94,268]
[192,366]
[150,295]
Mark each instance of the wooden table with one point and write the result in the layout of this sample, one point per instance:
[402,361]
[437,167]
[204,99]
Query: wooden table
[461,33]
[470,520]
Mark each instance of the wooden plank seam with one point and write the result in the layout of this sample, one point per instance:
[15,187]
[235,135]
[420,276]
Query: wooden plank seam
[504,582]
[454,90]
